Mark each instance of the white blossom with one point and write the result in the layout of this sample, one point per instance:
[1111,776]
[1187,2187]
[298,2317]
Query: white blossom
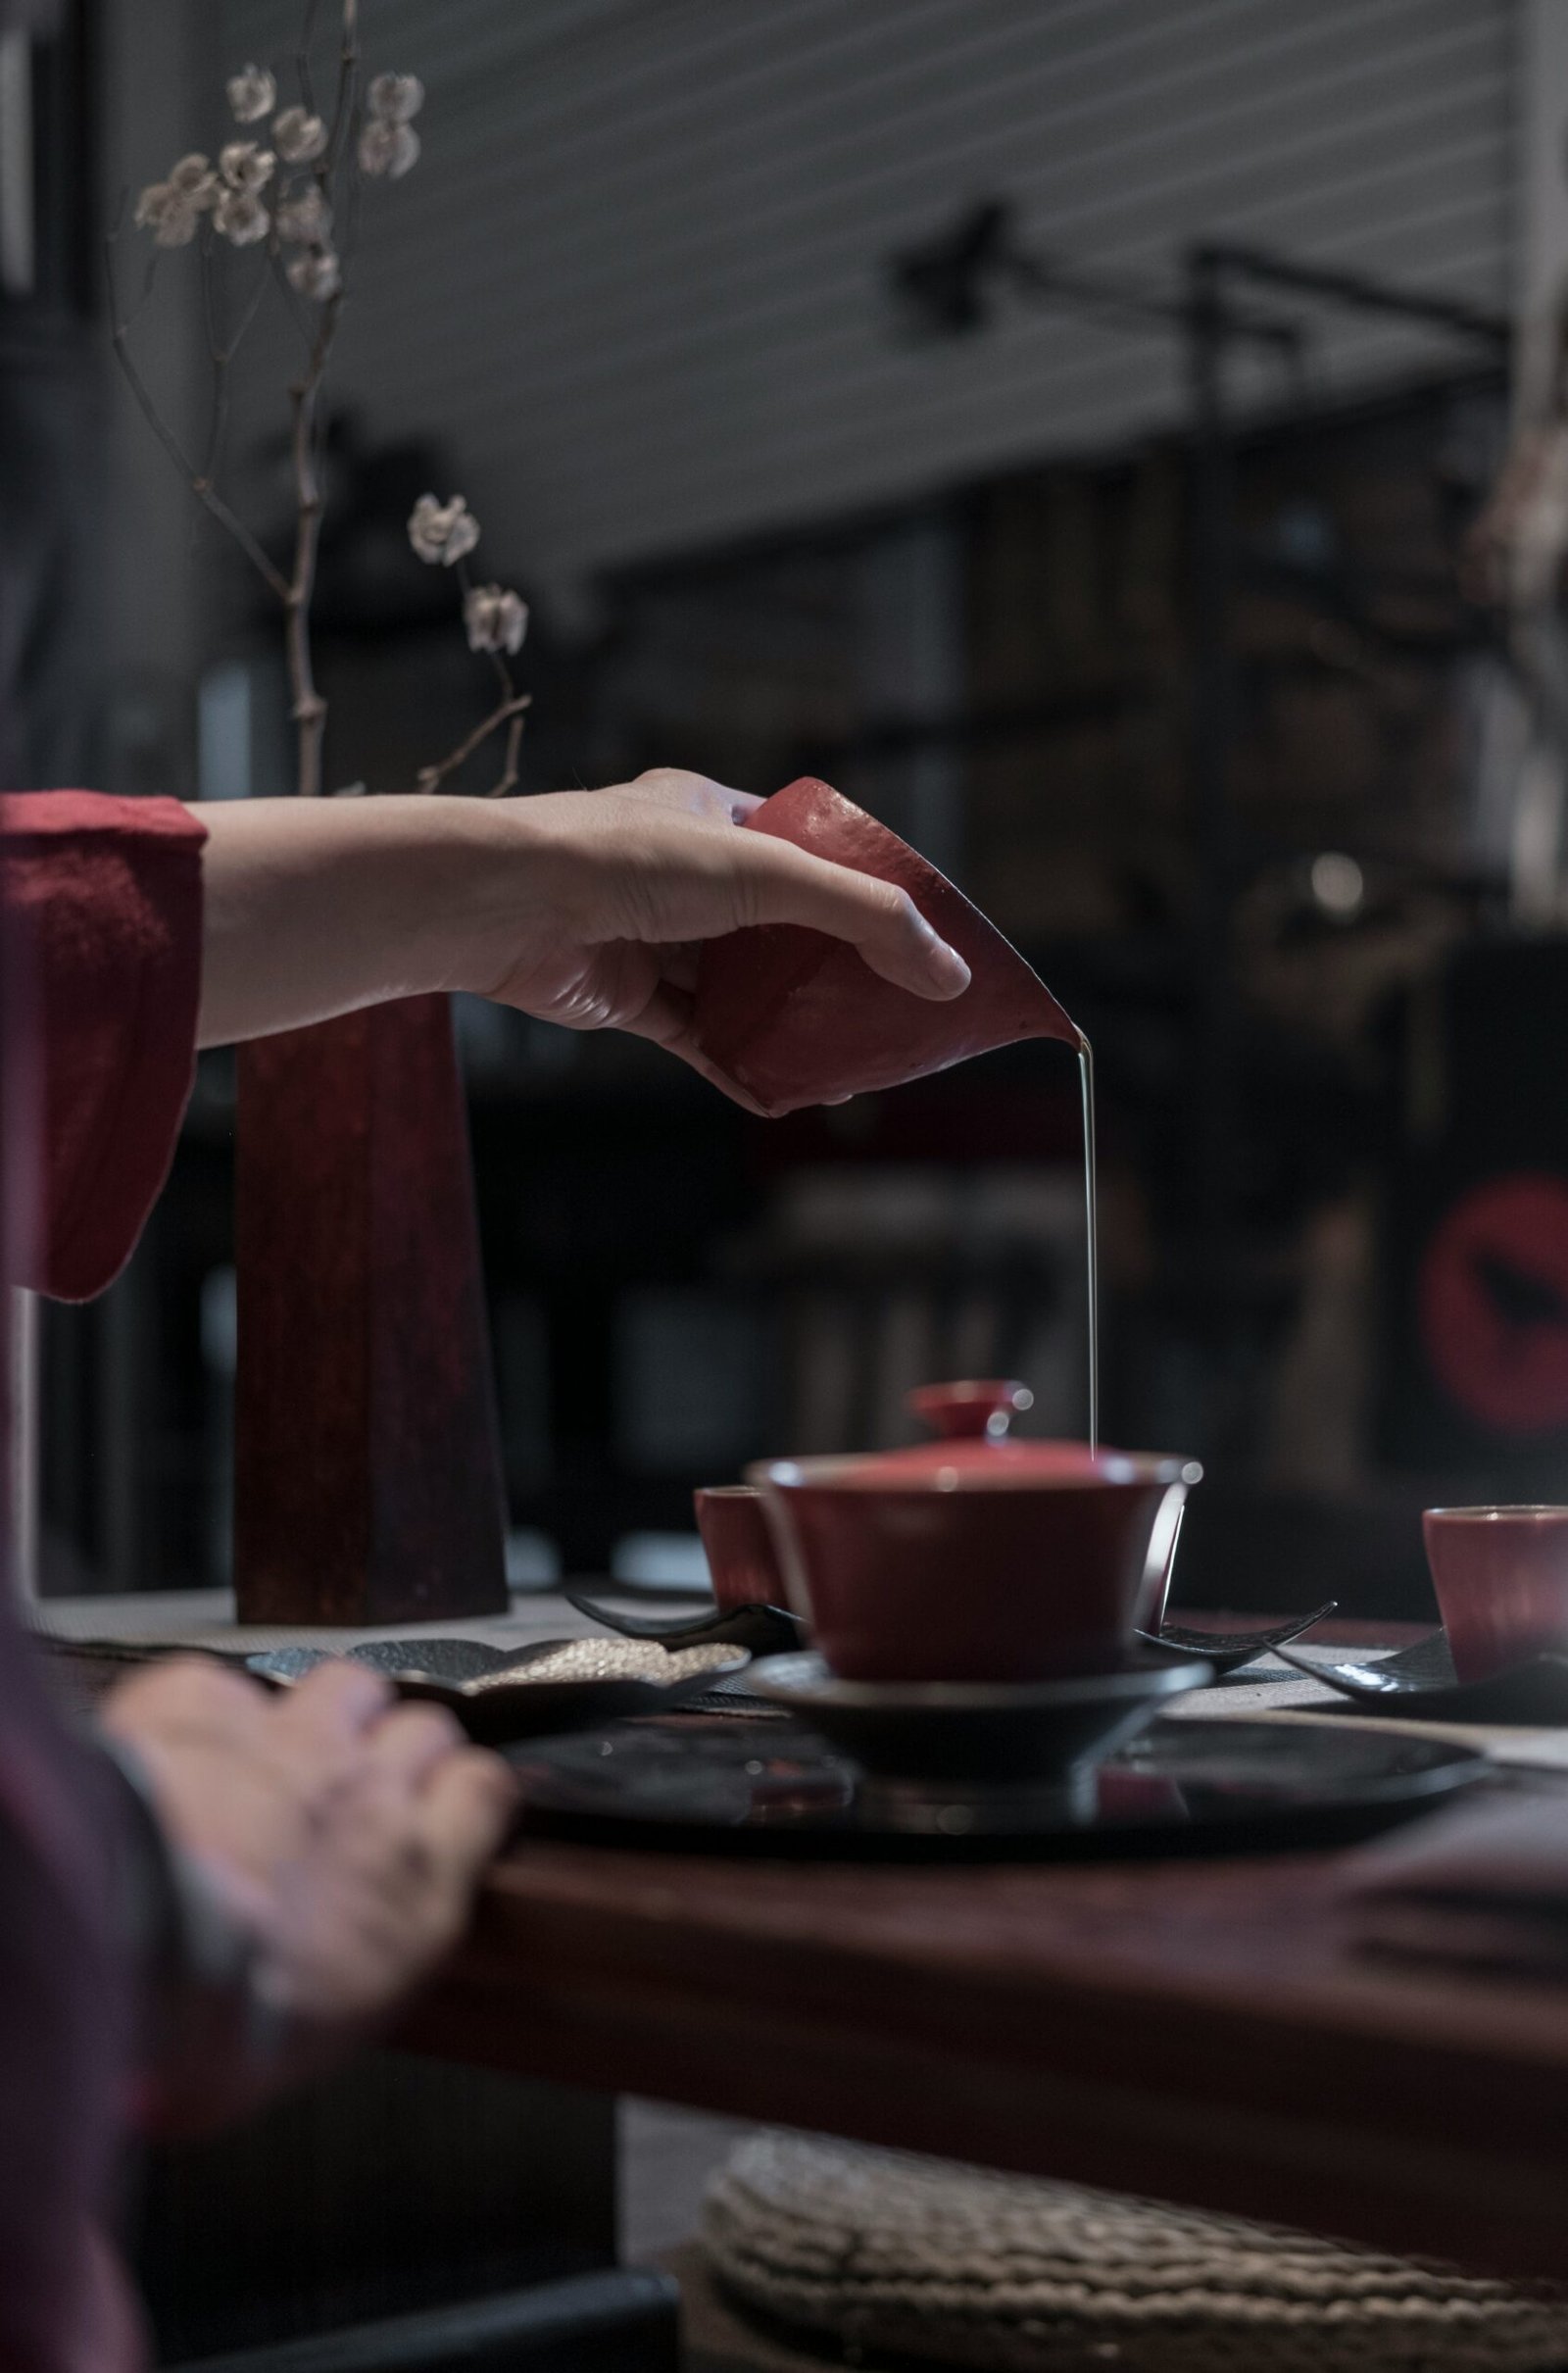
[300,136]
[317,273]
[395,98]
[304,220]
[245,166]
[251,94]
[497,620]
[442,531]
[388,148]
[172,214]
[241,217]
[194,179]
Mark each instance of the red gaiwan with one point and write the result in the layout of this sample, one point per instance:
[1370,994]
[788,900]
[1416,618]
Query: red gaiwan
[975,1558]
[798,1019]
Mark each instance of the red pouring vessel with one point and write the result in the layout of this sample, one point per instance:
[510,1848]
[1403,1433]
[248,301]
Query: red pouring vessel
[797,1018]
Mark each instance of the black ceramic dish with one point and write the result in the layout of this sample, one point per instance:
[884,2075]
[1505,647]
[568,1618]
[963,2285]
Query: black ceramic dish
[1185,1787]
[1229,1651]
[488,1689]
[1417,1684]
[980,1732]
[766,1631]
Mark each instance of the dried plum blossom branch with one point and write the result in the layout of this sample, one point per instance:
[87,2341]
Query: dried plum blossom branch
[431,778]
[277,190]
[496,620]
[220,353]
[310,709]
[205,493]
[240,205]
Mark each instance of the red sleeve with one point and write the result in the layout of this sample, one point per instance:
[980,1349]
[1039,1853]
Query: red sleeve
[104,898]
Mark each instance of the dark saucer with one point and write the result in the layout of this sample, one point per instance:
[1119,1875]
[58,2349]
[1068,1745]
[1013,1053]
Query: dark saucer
[1418,1684]
[978,1732]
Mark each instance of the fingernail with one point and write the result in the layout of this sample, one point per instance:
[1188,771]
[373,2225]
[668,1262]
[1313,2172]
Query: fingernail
[946,968]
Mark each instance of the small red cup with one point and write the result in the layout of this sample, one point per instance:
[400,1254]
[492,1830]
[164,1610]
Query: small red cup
[1502,1579]
[738,1545]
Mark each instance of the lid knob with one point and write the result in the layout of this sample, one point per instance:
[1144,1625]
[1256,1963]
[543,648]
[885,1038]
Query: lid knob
[971,1410]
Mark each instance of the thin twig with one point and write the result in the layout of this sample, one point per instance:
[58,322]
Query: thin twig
[430,776]
[308,710]
[348,77]
[301,57]
[209,500]
[299,311]
[509,776]
[221,353]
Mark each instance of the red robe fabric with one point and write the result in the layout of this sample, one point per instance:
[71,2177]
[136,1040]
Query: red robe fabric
[100,970]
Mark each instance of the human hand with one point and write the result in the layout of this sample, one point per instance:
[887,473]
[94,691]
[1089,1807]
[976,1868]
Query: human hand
[584,908]
[636,876]
[341,1832]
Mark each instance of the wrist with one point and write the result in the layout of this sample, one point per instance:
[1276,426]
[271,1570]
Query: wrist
[489,894]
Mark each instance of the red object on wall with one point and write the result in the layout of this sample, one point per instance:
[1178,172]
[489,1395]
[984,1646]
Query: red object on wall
[367,1475]
[1494,1303]
[797,1018]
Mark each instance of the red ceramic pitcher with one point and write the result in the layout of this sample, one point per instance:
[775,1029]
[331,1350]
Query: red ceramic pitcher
[797,1018]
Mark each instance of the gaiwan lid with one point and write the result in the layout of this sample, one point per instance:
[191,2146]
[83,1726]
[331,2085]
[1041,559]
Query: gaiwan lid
[973,1446]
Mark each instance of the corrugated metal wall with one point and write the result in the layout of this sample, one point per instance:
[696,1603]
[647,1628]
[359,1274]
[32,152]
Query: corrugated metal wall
[636,277]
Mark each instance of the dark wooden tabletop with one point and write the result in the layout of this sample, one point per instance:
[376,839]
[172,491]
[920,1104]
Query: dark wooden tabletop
[1202,2031]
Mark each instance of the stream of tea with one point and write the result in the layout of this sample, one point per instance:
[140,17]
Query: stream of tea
[1086,1082]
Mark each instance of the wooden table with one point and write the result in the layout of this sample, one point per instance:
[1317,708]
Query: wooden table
[1201,2031]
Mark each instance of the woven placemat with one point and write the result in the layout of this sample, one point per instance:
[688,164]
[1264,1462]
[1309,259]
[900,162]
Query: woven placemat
[878,2251]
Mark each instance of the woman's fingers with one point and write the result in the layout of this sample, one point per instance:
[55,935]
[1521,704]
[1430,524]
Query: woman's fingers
[188,1698]
[334,1703]
[782,884]
[466,1808]
[407,1745]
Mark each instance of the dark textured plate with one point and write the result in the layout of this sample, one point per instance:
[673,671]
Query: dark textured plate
[1185,1787]
[489,1689]
[973,1731]
[1417,1684]
[1229,1651]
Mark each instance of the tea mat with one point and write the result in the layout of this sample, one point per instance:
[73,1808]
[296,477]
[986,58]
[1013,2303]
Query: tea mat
[205,1619]
[877,2250]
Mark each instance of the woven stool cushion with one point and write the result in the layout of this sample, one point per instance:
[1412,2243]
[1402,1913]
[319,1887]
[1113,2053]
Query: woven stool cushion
[926,2258]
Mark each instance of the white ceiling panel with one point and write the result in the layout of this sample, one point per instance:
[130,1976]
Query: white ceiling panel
[636,280]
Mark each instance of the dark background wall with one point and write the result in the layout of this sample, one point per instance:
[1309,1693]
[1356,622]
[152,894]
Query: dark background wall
[636,300]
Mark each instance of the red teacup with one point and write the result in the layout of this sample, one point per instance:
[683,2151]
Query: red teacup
[1502,1579]
[739,1548]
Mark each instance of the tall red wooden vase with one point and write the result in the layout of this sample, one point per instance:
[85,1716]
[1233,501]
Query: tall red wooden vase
[368,1475]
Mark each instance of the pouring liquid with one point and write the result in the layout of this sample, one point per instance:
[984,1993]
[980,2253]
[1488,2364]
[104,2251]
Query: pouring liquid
[1086,1082]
